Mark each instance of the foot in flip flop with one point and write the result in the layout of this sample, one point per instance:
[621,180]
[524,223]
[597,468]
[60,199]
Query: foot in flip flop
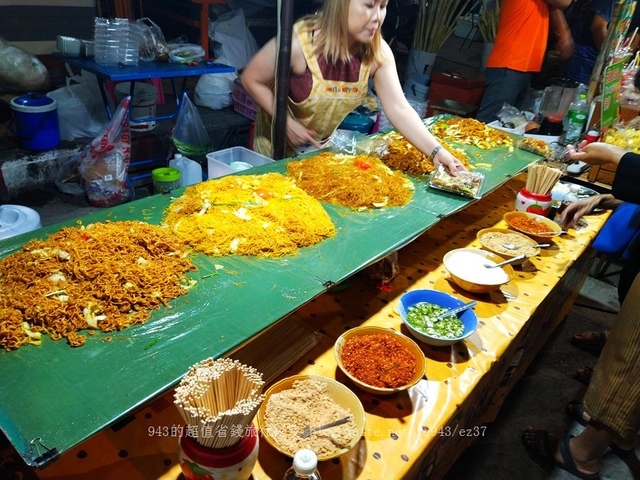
[592,342]
[550,450]
[584,374]
[575,410]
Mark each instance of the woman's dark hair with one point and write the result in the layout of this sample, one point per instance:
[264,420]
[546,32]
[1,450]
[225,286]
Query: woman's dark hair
[636,80]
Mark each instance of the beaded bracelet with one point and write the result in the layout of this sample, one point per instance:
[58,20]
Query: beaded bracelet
[435,152]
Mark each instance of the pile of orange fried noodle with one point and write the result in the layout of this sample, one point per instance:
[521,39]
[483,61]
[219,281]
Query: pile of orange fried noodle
[356,181]
[260,215]
[104,276]
[402,155]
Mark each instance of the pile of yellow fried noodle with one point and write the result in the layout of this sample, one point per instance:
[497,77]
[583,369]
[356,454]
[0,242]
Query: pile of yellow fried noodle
[260,215]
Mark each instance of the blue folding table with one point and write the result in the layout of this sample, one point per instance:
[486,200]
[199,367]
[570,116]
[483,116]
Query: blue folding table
[145,71]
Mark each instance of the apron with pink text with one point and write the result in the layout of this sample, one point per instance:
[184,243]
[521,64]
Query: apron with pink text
[326,106]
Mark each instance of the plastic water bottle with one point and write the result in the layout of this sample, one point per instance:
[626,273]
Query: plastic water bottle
[576,118]
[305,466]
[190,170]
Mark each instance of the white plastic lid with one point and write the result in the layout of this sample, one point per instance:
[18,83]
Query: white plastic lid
[177,155]
[305,461]
[16,219]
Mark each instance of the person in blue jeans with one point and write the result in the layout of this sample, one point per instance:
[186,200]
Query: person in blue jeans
[588,21]
[519,49]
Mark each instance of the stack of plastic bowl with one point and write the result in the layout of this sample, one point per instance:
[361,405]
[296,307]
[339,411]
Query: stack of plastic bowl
[115,41]
[130,44]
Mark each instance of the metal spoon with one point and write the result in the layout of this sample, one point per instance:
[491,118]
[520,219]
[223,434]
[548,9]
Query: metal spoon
[514,259]
[454,311]
[309,430]
[511,246]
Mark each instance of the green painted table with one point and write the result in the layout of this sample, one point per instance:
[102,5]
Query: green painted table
[54,397]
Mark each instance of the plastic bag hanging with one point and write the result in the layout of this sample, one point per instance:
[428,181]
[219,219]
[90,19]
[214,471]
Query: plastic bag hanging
[189,134]
[104,163]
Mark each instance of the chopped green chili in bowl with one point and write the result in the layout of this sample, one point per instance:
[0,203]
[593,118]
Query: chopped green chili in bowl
[421,316]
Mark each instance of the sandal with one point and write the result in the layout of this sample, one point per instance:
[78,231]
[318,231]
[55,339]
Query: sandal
[575,410]
[592,342]
[584,374]
[541,450]
[621,453]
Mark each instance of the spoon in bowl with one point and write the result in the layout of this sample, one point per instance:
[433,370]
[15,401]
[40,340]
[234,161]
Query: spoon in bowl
[456,310]
[308,430]
[514,259]
[511,246]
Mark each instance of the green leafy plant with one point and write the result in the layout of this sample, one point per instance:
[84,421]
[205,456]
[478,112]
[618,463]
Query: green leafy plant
[488,22]
[437,19]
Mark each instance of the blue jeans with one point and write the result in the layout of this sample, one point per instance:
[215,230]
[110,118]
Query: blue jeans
[502,85]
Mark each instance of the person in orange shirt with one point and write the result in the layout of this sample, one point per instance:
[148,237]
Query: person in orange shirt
[519,50]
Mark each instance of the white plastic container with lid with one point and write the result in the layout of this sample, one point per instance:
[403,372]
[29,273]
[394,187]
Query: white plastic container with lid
[305,466]
[190,170]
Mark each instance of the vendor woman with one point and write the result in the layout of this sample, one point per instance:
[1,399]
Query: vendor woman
[333,56]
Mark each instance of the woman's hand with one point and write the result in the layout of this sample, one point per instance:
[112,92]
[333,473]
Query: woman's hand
[597,153]
[448,160]
[298,134]
[576,210]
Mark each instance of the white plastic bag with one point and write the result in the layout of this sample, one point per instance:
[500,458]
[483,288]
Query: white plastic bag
[81,112]
[214,90]
[104,164]
[232,39]
[20,71]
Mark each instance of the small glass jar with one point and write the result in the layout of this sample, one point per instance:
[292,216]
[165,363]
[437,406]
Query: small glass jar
[527,201]
[234,463]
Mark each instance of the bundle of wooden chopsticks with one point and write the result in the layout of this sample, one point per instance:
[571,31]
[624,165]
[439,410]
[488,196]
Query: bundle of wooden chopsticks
[542,178]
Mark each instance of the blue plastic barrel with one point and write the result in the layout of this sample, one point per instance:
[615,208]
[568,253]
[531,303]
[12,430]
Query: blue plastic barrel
[35,121]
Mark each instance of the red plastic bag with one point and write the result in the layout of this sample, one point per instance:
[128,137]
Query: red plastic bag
[104,163]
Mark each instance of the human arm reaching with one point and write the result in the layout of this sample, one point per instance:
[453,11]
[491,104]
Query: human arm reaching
[576,210]
[403,117]
[597,153]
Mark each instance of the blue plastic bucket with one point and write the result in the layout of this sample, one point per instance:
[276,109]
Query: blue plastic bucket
[357,122]
[35,121]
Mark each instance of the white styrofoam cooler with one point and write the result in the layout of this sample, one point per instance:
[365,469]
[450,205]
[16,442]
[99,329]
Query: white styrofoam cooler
[234,159]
